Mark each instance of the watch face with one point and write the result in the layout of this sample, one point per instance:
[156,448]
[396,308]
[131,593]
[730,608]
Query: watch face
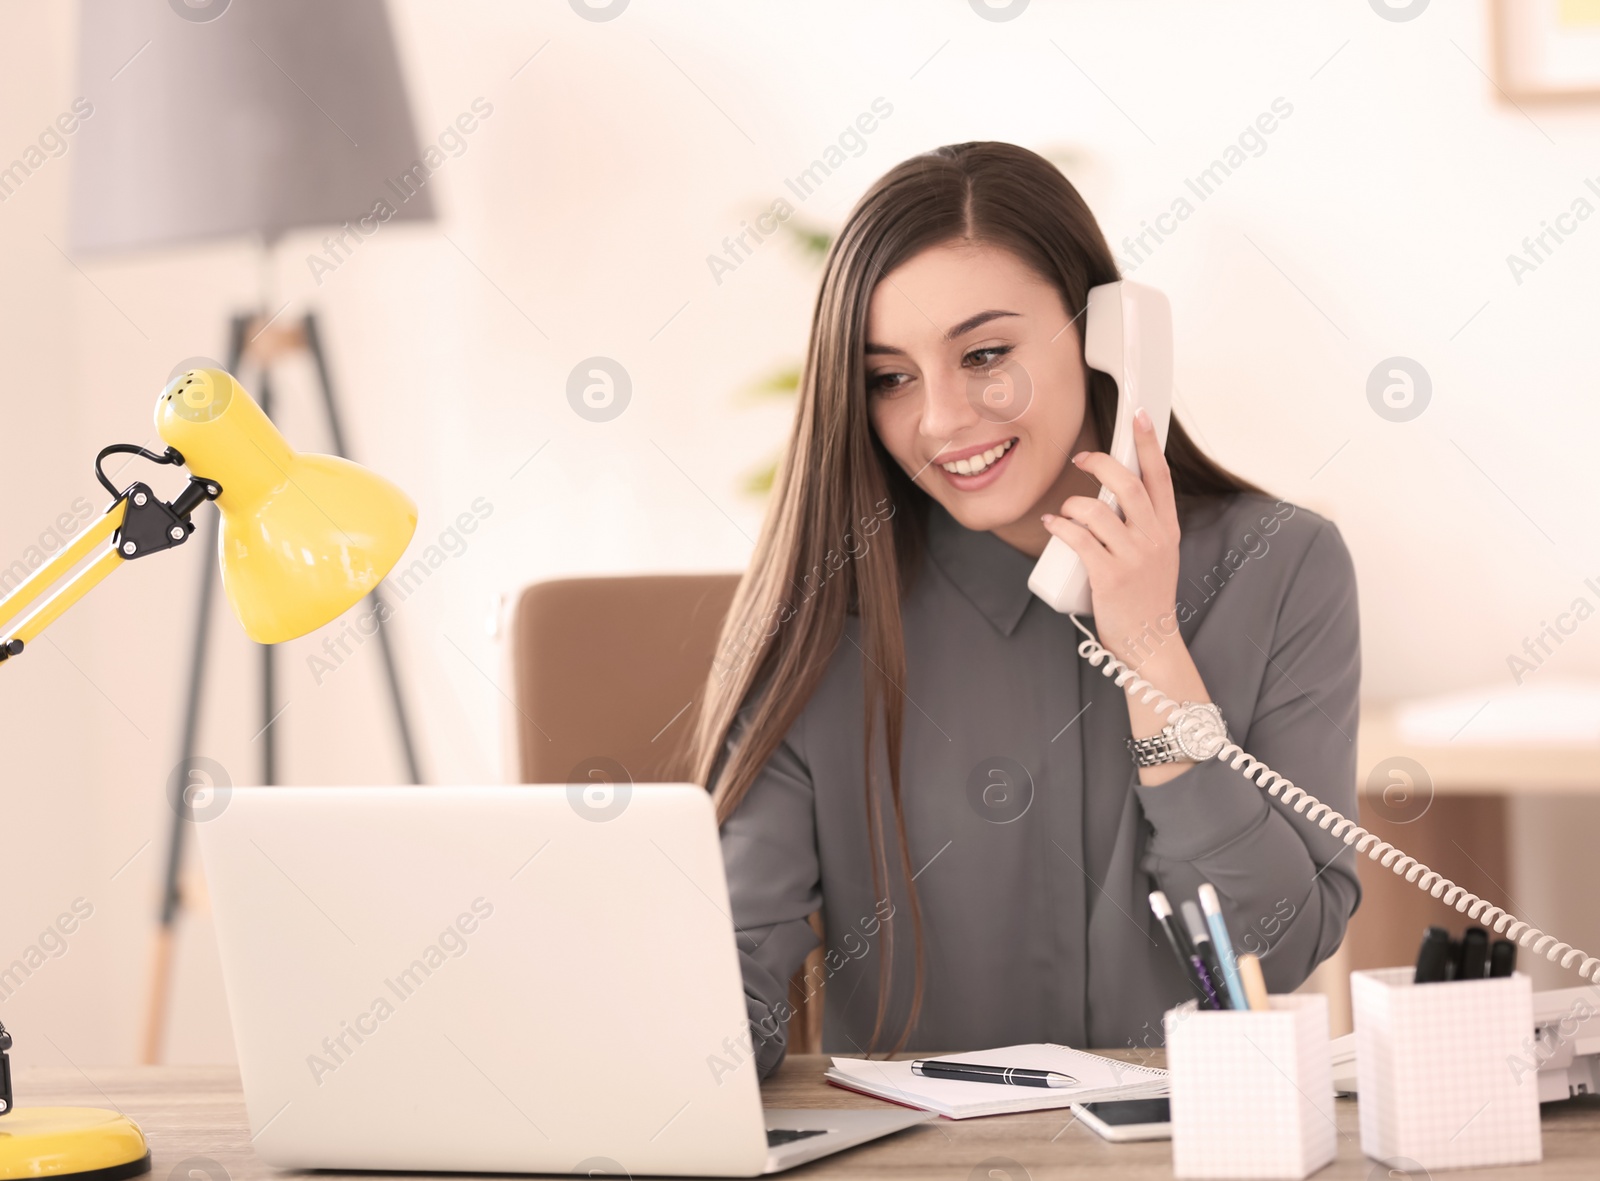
[1200,731]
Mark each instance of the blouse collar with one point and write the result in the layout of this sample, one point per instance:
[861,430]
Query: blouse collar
[990,573]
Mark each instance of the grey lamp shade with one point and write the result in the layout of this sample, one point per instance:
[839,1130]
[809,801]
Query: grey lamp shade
[217,118]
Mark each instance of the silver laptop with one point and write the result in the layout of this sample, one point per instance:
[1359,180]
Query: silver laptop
[495,979]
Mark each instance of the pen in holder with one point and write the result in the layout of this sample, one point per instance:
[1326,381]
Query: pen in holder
[1437,1069]
[1252,1091]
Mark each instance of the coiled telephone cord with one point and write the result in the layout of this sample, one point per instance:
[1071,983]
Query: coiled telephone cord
[1304,803]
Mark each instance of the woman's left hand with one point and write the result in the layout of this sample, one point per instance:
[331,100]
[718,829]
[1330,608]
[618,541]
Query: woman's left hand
[1132,562]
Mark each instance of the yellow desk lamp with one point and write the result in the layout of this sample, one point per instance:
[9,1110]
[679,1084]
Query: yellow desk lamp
[303,539]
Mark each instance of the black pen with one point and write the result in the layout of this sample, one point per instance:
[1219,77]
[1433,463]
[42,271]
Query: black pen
[1502,958]
[974,1072]
[1474,954]
[1201,938]
[1193,970]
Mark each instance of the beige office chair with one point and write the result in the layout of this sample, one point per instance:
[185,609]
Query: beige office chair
[611,668]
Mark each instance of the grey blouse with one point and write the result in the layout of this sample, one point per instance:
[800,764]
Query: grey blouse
[1033,843]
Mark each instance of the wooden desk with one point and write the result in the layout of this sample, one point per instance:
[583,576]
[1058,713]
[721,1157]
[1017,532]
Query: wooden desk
[198,1111]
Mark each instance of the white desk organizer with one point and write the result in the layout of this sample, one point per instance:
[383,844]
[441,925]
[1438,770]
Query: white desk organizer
[1252,1093]
[1435,1070]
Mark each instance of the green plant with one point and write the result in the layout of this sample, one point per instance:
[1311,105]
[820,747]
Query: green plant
[783,381]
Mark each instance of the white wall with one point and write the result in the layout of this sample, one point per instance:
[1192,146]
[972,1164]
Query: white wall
[578,222]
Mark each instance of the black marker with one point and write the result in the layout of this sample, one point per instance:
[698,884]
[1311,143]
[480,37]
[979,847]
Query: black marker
[1474,954]
[1179,941]
[1201,938]
[1433,957]
[1502,958]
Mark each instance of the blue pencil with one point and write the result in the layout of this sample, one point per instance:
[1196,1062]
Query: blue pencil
[1212,907]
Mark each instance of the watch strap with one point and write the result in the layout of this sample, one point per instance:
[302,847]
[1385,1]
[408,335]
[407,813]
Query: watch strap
[1155,750]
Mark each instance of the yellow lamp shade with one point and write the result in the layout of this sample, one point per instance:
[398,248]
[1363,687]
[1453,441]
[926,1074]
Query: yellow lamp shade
[304,537]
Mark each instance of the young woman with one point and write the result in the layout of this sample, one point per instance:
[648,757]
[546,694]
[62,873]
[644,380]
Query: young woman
[899,734]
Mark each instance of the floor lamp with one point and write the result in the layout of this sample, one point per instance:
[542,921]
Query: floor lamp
[266,117]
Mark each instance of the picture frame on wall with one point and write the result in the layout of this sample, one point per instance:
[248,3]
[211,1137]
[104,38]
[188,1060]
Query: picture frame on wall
[1546,50]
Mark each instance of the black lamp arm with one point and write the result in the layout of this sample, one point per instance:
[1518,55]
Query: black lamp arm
[6,1100]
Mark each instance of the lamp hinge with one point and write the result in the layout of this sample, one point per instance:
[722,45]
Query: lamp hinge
[150,524]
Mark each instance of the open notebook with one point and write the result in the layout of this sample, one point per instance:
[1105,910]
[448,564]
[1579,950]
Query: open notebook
[1098,1079]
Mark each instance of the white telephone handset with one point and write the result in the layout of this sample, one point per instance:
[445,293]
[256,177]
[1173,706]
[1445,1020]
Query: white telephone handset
[1128,335]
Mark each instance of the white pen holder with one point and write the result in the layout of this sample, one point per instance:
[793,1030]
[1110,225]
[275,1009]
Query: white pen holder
[1436,1070]
[1252,1092]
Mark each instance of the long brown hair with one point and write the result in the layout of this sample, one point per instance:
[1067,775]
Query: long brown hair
[836,480]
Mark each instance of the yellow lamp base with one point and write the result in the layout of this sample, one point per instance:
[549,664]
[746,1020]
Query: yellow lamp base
[81,1142]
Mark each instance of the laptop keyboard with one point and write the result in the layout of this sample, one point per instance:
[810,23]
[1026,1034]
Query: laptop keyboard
[777,1136]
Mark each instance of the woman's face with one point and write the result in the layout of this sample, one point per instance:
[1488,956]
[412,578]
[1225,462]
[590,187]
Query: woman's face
[975,386]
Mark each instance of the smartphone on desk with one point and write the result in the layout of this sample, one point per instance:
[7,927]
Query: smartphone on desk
[1127,335]
[1122,1120]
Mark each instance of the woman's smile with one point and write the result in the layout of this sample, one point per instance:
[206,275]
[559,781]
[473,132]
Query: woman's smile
[974,468]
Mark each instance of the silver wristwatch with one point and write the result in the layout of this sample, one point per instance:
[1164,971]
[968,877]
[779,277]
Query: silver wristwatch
[1195,733]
